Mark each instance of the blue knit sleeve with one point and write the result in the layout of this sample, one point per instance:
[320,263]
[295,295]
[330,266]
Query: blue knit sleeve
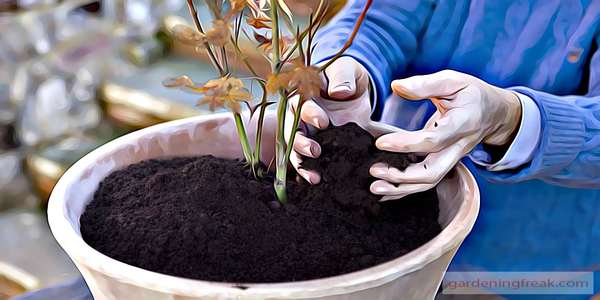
[569,150]
[386,41]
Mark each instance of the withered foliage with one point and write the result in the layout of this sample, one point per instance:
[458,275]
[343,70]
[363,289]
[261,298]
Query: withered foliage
[288,49]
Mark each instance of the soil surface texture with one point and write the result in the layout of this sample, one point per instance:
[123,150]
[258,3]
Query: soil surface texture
[207,218]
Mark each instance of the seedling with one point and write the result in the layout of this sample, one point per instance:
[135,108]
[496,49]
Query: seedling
[289,55]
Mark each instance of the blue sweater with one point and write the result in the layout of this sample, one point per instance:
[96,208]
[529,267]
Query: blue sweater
[545,49]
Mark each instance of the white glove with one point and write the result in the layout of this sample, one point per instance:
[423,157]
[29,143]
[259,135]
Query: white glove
[346,84]
[469,112]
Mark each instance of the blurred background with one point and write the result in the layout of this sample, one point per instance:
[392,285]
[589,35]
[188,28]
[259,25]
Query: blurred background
[73,75]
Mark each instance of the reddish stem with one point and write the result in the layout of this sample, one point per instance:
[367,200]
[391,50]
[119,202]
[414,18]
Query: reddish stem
[348,43]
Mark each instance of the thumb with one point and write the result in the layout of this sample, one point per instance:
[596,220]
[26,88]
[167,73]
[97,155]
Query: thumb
[341,76]
[440,84]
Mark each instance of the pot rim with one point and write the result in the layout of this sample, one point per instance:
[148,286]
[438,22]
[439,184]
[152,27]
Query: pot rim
[81,253]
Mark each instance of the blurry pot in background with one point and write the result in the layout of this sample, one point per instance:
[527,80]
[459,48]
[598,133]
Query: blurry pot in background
[14,281]
[416,275]
[47,163]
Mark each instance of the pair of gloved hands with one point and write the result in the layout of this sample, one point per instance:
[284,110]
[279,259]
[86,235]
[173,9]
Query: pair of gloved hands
[469,112]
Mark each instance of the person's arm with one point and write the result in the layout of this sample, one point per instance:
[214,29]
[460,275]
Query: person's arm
[568,144]
[385,44]
[386,41]
[568,151]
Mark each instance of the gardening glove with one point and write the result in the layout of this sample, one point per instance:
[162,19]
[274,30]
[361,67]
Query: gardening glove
[345,97]
[469,112]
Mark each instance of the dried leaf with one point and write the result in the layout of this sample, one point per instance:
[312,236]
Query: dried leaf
[275,82]
[257,9]
[263,4]
[266,44]
[187,34]
[180,81]
[259,22]
[306,81]
[261,39]
[225,92]
[285,9]
[220,34]
[236,6]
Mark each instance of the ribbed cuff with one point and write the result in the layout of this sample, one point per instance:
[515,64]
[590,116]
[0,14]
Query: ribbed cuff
[562,138]
[525,143]
[563,132]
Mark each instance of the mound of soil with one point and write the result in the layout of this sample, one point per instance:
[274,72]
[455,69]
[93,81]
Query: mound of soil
[207,218]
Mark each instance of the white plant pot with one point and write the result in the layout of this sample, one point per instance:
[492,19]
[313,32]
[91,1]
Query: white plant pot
[416,275]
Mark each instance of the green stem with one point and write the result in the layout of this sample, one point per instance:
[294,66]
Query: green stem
[295,126]
[281,160]
[239,125]
[225,62]
[259,125]
[280,145]
[275,36]
[288,151]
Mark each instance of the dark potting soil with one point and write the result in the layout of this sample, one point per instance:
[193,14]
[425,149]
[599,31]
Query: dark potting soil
[207,218]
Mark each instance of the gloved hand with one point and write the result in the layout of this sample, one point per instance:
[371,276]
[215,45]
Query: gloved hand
[347,99]
[469,112]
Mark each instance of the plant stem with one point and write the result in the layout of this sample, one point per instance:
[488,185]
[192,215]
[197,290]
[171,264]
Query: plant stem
[211,54]
[243,57]
[295,125]
[239,125]
[259,125]
[281,160]
[275,36]
[225,62]
[318,18]
[261,117]
[348,43]
[280,146]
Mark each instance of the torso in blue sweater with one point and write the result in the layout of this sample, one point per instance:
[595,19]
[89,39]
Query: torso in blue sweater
[550,48]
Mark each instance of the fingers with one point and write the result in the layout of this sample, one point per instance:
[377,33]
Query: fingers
[419,177]
[311,176]
[342,83]
[306,146]
[422,141]
[438,134]
[346,79]
[341,77]
[392,192]
[436,85]
[430,171]
[313,114]
[378,129]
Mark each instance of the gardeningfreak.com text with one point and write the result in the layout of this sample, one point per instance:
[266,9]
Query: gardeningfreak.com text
[543,283]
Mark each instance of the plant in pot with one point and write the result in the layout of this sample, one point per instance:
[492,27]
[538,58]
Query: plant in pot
[204,208]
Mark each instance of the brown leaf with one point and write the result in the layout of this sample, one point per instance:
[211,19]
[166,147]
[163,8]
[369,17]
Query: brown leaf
[285,9]
[266,44]
[306,81]
[275,82]
[187,34]
[257,9]
[261,39]
[259,22]
[225,92]
[219,34]
[236,6]
[180,81]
